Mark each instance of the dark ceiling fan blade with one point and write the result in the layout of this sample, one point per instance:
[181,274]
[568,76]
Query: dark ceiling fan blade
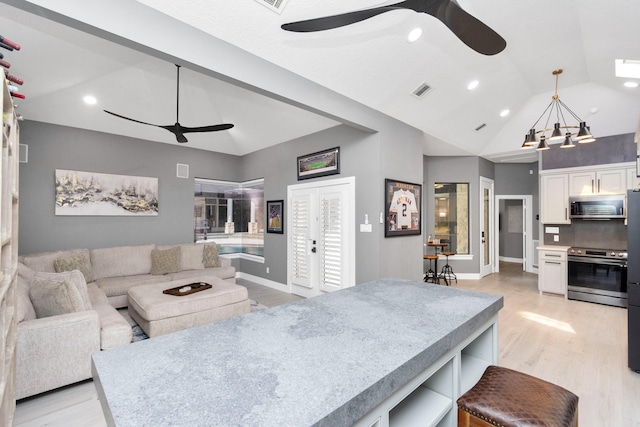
[335,21]
[471,31]
[133,120]
[211,128]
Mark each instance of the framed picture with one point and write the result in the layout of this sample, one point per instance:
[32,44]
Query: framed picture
[322,163]
[403,207]
[275,216]
[90,194]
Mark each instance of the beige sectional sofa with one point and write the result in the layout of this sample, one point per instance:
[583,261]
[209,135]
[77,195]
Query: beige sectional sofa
[115,270]
[54,350]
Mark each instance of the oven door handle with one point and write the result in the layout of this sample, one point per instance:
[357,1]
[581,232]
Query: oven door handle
[599,261]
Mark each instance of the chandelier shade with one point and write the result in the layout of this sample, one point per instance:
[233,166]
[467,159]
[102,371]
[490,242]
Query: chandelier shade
[561,130]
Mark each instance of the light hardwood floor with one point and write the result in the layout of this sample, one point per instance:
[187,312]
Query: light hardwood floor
[580,346]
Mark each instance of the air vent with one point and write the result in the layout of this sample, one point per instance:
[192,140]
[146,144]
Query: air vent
[182,170]
[275,5]
[481,126]
[421,90]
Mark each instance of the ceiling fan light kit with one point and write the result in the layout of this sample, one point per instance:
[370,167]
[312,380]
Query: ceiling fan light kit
[177,129]
[560,128]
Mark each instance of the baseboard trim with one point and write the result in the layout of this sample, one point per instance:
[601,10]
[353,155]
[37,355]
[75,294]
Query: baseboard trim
[264,282]
[507,259]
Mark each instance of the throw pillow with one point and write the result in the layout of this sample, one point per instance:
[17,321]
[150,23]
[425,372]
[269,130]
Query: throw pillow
[54,297]
[165,261]
[77,261]
[191,257]
[24,307]
[210,255]
[74,277]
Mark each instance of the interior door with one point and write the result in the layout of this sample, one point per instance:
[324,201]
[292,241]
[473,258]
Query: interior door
[321,245]
[486,226]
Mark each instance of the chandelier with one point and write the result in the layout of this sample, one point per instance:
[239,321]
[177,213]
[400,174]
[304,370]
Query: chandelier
[560,129]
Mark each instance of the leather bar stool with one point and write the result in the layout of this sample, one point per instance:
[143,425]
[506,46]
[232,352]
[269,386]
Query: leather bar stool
[447,272]
[430,275]
[507,398]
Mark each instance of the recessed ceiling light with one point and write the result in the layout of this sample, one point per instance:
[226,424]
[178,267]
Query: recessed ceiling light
[90,100]
[474,84]
[504,113]
[414,35]
[631,84]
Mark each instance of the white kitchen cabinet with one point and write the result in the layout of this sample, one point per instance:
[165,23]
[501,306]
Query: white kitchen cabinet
[606,181]
[554,199]
[552,269]
[632,180]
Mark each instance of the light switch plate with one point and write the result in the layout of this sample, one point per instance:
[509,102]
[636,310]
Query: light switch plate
[365,228]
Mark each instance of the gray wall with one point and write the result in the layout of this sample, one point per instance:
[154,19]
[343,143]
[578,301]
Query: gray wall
[369,157]
[458,169]
[608,149]
[54,147]
[519,179]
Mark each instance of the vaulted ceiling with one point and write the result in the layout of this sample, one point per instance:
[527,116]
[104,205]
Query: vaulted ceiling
[370,62]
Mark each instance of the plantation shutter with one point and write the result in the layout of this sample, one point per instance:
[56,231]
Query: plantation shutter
[301,220]
[331,230]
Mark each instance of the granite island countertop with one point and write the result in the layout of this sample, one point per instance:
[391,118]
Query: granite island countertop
[323,361]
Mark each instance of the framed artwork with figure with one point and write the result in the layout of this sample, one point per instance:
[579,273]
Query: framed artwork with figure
[403,207]
[275,216]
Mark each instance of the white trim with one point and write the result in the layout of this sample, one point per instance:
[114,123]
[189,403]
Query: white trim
[591,168]
[528,248]
[507,259]
[241,255]
[490,184]
[262,281]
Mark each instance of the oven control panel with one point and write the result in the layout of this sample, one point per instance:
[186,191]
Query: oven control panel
[599,253]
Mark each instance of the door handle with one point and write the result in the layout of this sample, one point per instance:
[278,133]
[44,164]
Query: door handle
[313,249]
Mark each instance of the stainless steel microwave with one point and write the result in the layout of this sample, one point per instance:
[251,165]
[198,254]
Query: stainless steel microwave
[598,207]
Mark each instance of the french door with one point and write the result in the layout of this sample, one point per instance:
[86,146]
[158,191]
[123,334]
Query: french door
[321,242]
[486,226]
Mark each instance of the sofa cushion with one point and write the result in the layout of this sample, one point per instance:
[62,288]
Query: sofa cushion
[210,255]
[73,277]
[191,257]
[114,286]
[75,261]
[55,297]
[121,261]
[24,307]
[165,261]
[45,261]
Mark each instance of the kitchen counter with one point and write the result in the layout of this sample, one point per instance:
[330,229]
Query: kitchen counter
[323,361]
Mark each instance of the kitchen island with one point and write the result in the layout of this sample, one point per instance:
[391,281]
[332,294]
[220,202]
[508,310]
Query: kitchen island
[375,354]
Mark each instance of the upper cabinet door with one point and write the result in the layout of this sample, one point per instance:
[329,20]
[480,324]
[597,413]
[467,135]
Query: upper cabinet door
[554,199]
[633,181]
[582,183]
[613,181]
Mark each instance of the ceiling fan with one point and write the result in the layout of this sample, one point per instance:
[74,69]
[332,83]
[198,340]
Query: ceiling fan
[177,129]
[467,28]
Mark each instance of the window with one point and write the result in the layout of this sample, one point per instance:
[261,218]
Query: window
[230,214]
[452,216]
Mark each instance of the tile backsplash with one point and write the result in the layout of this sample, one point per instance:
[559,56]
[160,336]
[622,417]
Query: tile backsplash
[607,234]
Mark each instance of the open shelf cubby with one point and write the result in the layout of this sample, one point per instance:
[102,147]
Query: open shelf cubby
[429,399]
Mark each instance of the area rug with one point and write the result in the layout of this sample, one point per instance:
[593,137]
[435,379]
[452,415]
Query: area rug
[139,335]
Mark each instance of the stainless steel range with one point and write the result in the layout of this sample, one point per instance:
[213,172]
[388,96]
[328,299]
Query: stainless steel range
[598,275]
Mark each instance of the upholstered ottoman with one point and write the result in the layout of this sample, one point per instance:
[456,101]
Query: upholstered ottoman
[158,313]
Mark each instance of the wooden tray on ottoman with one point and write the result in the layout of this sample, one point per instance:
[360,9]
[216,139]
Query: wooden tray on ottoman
[195,287]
